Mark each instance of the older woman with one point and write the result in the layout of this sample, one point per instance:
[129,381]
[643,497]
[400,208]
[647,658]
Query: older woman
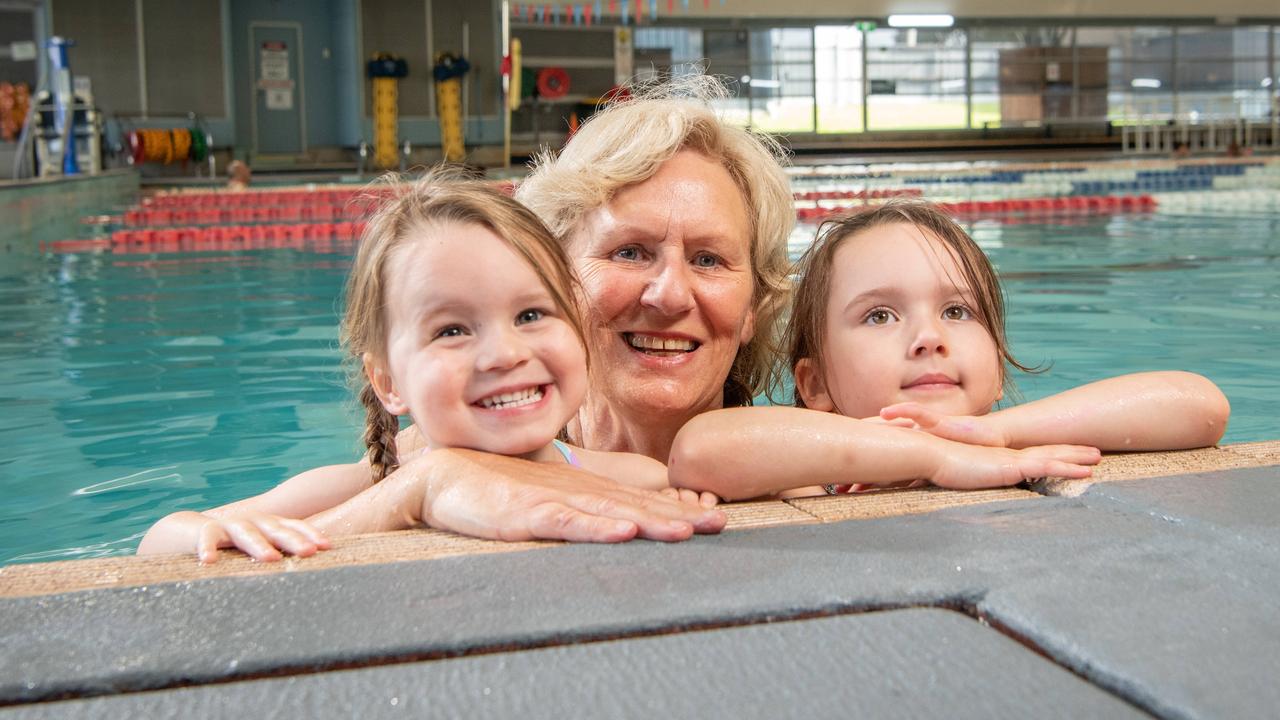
[677,224]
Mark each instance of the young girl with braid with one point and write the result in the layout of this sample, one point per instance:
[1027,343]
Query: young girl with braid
[460,313]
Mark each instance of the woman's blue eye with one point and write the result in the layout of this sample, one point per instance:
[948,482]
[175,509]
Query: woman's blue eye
[957,312]
[879,317]
[627,253]
[706,260]
[528,316]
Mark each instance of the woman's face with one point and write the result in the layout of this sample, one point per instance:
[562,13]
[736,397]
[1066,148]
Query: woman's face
[666,271]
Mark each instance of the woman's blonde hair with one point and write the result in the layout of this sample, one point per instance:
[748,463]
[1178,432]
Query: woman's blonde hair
[403,212]
[805,337]
[625,144]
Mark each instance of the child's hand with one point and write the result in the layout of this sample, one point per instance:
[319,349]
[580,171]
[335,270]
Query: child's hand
[971,429]
[969,467]
[692,497]
[259,535]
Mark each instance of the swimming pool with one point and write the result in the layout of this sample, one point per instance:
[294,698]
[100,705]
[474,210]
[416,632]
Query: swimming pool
[136,384]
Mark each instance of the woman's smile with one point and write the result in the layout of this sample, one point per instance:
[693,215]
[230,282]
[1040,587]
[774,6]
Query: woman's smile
[660,345]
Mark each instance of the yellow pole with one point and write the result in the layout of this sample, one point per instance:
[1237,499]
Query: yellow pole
[449,110]
[385,114]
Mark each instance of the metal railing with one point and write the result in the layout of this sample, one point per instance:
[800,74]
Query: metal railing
[1150,126]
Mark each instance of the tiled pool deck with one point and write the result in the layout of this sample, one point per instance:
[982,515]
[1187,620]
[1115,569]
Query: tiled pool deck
[1152,590]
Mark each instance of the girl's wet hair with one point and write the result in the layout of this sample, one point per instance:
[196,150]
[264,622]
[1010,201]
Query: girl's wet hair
[806,334]
[405,211]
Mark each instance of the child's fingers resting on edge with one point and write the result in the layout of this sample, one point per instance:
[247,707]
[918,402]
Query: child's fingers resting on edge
[691,497]
[260,536]
[1074,456]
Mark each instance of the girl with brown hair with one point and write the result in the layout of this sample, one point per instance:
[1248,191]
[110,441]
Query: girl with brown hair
[461,312]
[898,328]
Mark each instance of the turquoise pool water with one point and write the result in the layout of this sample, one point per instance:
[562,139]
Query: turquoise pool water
[135,385]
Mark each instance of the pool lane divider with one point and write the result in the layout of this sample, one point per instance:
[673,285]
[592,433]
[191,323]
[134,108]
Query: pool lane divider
[1042,206]
[25,580]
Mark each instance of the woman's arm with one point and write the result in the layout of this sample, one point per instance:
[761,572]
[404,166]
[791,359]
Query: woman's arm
[752,452]
[1144,411]
[502,498]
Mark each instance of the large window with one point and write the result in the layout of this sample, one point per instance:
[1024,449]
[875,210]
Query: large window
[1140,68]
[837,62]
[781,80]
[915,79]
[769,72]
[848,79]
[1222,71]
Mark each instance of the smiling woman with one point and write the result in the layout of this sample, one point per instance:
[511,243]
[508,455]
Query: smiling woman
[676,224]
[666,270]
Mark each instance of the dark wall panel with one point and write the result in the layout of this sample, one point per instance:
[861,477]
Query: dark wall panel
[184,57]
[400,28]
[17,25]
[449,20]
[106,49]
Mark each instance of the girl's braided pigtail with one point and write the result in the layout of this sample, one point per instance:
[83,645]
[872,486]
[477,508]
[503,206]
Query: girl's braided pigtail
[379,434]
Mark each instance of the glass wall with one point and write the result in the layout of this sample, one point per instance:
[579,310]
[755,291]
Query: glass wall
[849,79]
[915,79]
[837,63]
[781,80]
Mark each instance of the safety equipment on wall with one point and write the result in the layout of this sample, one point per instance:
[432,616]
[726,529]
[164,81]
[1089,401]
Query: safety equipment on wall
[63,100]
[553,83]
[167,146]
[15,103]
[514,70]
[385,69]
[448,73]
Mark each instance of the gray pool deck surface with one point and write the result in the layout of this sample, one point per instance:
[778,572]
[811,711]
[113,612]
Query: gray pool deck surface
[1139,597]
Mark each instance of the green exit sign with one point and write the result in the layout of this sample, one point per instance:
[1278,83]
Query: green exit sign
[865,25]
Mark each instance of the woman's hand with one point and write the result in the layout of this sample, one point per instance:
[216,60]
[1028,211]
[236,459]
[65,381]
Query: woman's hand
[971,429]
[970,467]
[501,498]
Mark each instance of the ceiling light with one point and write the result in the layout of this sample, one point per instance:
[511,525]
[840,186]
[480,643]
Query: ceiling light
[907,21]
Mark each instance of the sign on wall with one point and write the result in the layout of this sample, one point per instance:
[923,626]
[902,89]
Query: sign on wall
[273,75]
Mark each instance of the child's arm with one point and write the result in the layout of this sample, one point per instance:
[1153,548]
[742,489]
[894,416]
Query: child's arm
[641,471]
[632,469]
[752,452]
[1143,411]
[263,525]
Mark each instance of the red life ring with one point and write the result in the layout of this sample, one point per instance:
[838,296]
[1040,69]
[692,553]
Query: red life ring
[137,147]
[553,82]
